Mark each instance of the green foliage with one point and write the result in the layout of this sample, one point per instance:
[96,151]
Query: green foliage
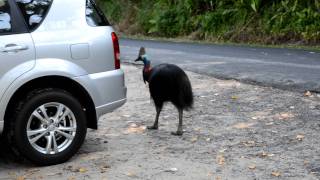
[266,21]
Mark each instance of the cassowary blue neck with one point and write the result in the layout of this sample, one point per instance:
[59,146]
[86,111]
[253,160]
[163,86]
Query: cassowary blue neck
[146,62]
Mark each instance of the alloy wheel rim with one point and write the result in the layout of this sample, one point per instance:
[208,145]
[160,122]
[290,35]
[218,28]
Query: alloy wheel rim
[51,128]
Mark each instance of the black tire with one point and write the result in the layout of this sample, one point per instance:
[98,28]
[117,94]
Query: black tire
[17,129]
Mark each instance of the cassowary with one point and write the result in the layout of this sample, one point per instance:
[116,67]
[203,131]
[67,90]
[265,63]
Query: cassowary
[167,83]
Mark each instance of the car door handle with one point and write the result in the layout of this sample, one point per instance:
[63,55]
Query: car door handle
[14,48]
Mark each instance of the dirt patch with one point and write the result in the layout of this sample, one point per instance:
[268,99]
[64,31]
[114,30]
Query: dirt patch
[235,131]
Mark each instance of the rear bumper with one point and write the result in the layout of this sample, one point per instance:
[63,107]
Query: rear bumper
[101,110]
[107,90]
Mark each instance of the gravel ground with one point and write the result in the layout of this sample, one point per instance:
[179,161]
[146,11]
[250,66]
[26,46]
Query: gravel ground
[235,131]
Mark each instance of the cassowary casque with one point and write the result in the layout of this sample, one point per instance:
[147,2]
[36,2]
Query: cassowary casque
[167,83]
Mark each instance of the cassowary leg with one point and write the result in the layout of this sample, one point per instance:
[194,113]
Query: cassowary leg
[179,131]
[155,125]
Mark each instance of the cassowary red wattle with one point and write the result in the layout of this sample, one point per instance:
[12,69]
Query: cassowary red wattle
[167,83]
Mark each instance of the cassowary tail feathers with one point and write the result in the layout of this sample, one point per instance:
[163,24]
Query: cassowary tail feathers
[186,93]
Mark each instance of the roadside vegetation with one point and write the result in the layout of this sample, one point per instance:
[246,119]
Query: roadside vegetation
[269,22]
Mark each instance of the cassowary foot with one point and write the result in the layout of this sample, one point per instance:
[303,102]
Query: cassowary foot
[152,127]
[178,133]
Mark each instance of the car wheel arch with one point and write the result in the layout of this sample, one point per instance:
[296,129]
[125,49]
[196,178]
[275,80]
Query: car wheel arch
[61,82]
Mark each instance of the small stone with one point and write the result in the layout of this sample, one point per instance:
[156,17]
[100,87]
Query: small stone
[172,170]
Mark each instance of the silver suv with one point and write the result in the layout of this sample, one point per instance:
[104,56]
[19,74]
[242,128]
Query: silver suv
[59,72]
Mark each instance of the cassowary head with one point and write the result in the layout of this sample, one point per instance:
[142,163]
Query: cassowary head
[143,56]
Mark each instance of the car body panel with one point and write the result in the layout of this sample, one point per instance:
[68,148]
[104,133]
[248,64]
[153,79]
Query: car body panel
[65,45]
[14,64]
[68,28]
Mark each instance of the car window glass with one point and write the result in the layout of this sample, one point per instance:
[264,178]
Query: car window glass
[94,16]
[5,18]
[34,11]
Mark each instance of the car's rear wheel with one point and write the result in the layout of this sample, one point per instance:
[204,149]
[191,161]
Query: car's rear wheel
[47,127]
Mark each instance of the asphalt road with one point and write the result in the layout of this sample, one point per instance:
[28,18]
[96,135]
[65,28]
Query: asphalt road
[289,69]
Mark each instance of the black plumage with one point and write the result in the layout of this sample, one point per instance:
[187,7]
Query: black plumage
[167,83]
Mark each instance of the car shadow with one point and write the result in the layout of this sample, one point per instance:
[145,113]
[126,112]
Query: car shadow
[7,158]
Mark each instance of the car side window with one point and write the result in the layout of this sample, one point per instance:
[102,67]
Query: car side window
[5,17]
[94,15]
[34,11]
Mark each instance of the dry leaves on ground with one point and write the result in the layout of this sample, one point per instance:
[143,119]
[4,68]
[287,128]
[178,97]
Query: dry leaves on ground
[82,170]
[252,167]
[194,139]
[264,155]
[221,160]
[249,143]
[300,137]
[234,97]
[276,173]
[243,125]
[307,94]
[135,129]
[131,174]
[285,116]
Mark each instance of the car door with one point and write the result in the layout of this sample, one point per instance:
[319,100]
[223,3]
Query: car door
[17,52]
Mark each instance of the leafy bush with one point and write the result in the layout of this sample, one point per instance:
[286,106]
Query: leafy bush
[263,21]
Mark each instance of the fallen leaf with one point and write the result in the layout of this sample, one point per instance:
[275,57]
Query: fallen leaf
[276,173]
[243,125]
[131,174]
[254,118]
[82,170]
[104,168]
[221,160]
[252,167]
[234,97]
[248,143]
[72,178]
[20,178]
[135,129]
[307,94]
[300,137]
[218,178]
[194,139]
[210,174]
[264,154]
[284,116]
